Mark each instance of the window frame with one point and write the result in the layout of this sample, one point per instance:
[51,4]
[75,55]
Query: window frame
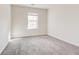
[32,14]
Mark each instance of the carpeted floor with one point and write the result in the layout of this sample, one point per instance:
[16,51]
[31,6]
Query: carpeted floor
[40,45]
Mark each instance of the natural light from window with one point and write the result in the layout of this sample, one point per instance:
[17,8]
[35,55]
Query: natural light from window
[32,21]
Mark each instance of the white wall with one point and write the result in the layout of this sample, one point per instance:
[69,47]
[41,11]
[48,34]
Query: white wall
[4,25]
[63,23]
[19,21]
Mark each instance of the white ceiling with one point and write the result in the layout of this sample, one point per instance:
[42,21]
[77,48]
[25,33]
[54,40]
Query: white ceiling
[47,6]
[44,6]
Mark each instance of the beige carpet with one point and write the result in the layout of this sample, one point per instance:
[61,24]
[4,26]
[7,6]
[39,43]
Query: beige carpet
[40,45]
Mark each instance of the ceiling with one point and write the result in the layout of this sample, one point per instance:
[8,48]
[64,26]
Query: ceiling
[44,6]
[48,6]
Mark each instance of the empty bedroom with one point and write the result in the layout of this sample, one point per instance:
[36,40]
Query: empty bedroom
[39,29]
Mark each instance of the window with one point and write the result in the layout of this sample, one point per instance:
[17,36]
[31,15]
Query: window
[32,21]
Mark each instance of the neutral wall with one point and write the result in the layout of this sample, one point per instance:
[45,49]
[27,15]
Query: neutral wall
[63,23]
[19,21]
[4,25]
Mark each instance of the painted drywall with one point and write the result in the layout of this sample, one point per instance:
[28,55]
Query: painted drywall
[63,23]
[4,25]
[19,21]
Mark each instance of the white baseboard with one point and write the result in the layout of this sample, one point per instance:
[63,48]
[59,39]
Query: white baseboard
[64,40]
[28,36]
[3,48]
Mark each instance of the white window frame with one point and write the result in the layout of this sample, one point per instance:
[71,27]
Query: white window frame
[31,22]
